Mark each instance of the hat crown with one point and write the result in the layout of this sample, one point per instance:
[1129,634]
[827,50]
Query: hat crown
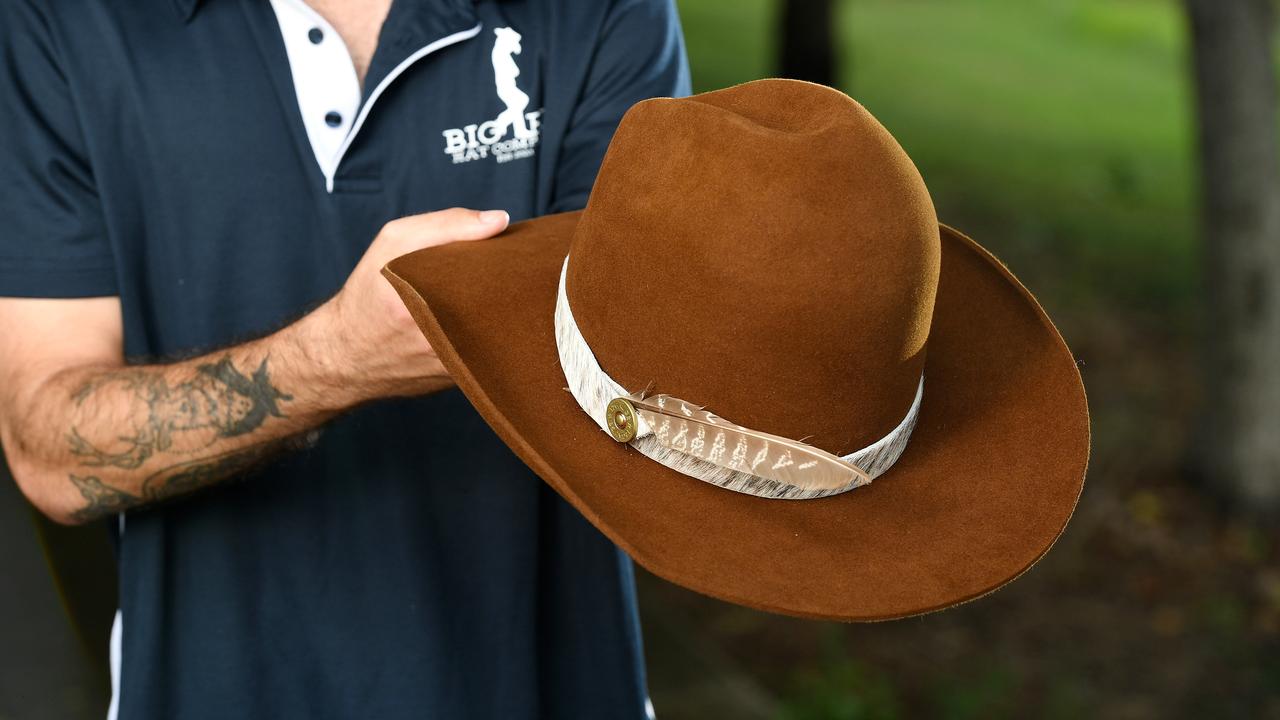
[767,251]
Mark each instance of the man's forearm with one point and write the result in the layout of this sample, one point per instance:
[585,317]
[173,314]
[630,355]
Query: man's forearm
[86,440]
[102,440]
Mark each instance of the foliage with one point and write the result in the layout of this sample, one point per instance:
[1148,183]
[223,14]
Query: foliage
[1053,130]
[840,688]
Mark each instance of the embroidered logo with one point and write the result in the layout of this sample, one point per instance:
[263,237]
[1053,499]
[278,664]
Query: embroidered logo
[513,134]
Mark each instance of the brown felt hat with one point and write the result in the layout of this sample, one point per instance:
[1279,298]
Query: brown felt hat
[770,253]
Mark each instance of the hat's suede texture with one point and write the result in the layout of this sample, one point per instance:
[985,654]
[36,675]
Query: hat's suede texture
[808,309]
[783,279]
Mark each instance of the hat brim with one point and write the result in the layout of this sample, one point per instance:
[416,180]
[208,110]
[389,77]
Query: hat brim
[987,484]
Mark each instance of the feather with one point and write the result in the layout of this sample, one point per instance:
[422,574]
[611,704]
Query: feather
[689,429]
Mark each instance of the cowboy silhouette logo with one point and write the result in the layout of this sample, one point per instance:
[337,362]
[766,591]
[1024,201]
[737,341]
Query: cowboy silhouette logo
[513,134]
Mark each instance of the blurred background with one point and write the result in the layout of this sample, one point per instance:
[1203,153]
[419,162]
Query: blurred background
[1121,157]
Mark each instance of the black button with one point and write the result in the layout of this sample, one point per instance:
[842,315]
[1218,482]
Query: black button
[332,119]
[315,35]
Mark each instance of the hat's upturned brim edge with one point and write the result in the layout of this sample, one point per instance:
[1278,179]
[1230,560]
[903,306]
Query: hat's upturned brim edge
[991,477]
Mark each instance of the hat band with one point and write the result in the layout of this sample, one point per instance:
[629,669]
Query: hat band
[691,441]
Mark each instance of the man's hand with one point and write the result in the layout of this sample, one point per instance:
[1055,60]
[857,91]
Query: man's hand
[365,332]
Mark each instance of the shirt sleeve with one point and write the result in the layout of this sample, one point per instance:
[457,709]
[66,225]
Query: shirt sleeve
[53,241]
[639,55]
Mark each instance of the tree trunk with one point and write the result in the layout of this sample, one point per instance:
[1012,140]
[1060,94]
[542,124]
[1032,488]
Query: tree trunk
[807,47]
[1239,449]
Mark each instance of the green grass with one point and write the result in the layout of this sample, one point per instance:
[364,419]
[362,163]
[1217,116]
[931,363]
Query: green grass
[1058,133]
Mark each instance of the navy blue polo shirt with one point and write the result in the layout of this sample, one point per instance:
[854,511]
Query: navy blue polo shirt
[184,156]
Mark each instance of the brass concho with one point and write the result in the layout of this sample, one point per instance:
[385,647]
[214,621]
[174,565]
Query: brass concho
[622,420]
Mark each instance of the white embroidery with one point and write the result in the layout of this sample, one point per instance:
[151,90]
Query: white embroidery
[489,139]
[784,460]
[505,72]
[738,460]
[717,449]
[699,441]
[681,440]
[760,457]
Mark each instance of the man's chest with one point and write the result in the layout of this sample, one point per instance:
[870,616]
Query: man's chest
[451,112]
[212,181]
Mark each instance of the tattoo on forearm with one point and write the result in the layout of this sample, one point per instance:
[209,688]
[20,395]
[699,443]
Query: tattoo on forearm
[219,402]
[194,474]
[183,420]
[100,500]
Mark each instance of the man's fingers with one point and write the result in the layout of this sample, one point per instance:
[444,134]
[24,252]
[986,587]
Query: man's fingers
[436,228]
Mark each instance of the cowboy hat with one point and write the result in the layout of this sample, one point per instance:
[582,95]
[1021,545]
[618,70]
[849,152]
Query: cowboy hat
[758,363]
